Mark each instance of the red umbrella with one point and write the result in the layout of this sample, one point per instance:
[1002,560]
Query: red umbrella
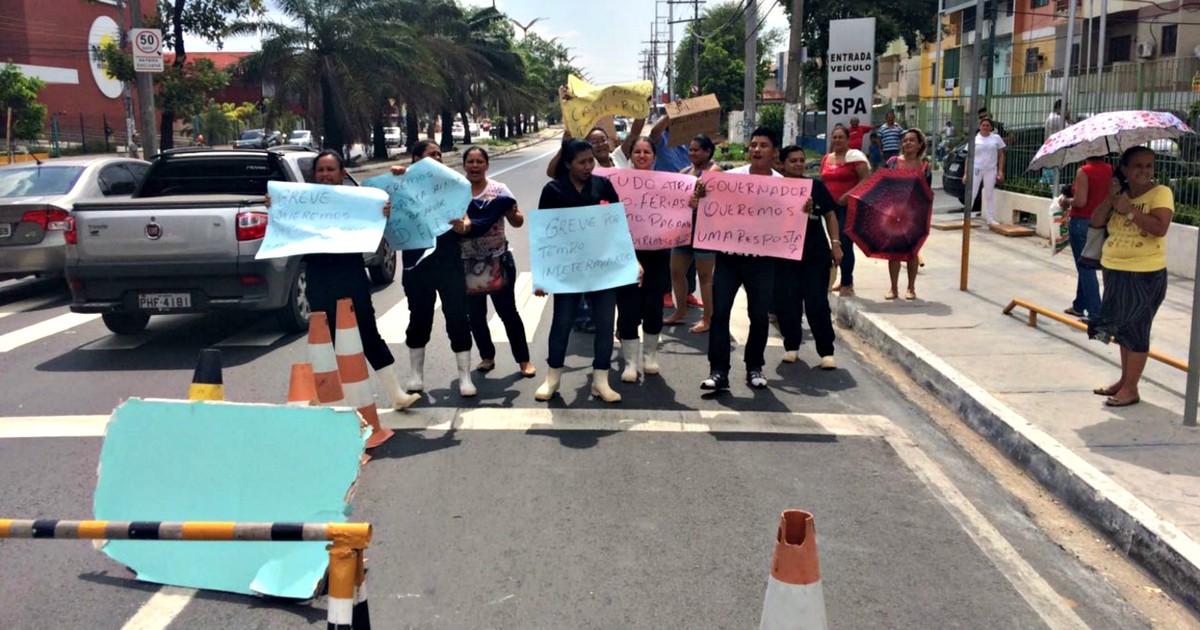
[890,214]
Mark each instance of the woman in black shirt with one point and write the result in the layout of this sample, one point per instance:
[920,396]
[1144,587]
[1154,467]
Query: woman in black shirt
[803,285]
[575,187]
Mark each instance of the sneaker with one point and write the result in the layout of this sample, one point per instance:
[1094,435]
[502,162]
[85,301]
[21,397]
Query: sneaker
[695,301]
[827,363]
[756,379]
[715,381]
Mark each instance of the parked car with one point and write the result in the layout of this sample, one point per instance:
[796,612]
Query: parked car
[36,200]
[458,133]
[185,242]
[257,139]
[393,137]
[302,137]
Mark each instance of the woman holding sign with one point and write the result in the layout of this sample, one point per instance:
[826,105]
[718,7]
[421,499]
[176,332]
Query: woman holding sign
[490,251]
[331,277]
[700,153]
[641,305]
[842,169]
[575,187]
[801,286]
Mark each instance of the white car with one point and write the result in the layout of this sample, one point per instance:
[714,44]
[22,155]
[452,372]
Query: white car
[393,137]
[458,133]
[301,137]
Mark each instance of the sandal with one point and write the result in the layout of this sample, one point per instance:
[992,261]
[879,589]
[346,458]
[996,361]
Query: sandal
[486,365]
[835,288]
[699,327]
[890,295]
[1115,402]
[1106,391]
[528,371]
[846,291]
[910,295]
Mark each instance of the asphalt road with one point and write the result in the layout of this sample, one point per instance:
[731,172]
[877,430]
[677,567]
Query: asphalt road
[659,512]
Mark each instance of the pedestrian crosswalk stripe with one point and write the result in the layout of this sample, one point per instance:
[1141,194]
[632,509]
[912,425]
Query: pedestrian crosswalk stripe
[393,324]
[739,324]
[28,304]
[29,334]
[119,342]
[529,306]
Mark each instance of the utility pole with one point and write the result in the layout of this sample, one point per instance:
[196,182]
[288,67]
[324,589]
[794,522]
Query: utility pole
[670,51]
[991,55]
[750,86]
[969,175]
[1067,58]
[145,92]
[126,93]
[938,81]
[792,105]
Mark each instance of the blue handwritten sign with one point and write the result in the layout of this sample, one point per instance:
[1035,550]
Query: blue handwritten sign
[321,219]
[424,200]
[575,250]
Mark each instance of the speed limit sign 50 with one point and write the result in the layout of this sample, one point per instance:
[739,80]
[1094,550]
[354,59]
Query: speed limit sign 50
[147,49]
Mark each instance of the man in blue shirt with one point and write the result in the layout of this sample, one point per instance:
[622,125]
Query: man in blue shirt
[668,159]
[889,136]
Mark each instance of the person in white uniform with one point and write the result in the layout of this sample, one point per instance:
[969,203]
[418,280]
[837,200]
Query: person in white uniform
[988,169]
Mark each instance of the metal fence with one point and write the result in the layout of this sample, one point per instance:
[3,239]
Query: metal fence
[1020,105]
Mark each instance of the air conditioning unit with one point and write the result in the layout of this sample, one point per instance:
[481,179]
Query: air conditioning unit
[1145,50]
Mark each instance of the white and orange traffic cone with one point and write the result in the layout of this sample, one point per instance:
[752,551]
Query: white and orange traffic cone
[302,389]
[794,599]
[324,361]
[352,366]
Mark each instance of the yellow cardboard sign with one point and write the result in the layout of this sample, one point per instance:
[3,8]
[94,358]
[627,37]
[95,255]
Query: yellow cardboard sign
[590,103]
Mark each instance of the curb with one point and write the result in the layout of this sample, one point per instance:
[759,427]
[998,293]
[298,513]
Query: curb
[1134,528]
[405,161]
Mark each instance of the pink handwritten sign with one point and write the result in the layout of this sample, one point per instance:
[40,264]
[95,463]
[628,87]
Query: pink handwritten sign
[753,214]
[656,205]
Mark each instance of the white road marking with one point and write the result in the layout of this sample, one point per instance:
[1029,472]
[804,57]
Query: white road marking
[52,426]
[739,324]
[41,330]
[529,306]
[520,164]
[161,609]
[28,304]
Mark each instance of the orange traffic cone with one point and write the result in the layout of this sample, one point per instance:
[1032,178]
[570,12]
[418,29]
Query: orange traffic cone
[352,366]
[324,361]
[794,599]
[302,390]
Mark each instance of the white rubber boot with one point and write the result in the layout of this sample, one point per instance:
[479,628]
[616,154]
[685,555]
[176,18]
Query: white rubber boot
[416,360]
[600,388]
[546,390]
[391,383]
[631,349]
[650,354]
[466,388]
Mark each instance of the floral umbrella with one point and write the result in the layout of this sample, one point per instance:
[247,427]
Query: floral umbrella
[890,214]
[1110,132]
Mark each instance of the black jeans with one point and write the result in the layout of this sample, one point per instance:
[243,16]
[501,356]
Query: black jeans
[803,287]
[433,277]
[328,283]
[757,275]
[643,306]
[505,301]
[847,266]
[603,304]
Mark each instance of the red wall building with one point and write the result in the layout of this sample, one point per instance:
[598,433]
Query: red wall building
[53,40]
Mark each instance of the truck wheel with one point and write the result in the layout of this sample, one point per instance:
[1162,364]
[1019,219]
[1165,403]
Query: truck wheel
[385,272]
[126,323]
[293,317]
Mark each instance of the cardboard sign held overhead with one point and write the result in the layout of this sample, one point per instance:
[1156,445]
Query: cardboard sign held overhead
[693,116]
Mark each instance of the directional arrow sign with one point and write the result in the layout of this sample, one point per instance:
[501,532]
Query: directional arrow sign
[850,84]
[851,65]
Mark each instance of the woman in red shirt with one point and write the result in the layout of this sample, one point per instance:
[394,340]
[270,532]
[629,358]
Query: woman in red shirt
[1092,182]
[842,169]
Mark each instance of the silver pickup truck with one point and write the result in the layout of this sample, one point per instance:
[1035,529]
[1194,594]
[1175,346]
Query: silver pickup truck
[185,242]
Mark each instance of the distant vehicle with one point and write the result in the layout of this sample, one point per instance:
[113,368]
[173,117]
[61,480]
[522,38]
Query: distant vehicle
[36,201]
[302,137]
[257,139]
[458,133]
[185,243]
[393,137]
[475,129]
[486,124]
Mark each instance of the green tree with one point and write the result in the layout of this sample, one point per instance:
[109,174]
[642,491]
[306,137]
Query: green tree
[913,21]
[182,89]
[772,116]
[722,55]
[547,66]
[20,93]
[207,19]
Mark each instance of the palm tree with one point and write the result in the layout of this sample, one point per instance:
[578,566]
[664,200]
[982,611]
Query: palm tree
[336,58]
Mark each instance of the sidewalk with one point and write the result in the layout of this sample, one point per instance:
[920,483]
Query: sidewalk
[1133,472]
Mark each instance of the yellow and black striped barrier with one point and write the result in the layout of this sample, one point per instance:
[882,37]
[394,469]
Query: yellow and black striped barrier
[206,381]
[347,577]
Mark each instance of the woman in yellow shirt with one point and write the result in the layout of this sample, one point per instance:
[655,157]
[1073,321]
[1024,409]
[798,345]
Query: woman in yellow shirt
[1135,269]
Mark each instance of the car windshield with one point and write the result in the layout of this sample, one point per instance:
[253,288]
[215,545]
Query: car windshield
[39,180]
[299,134]
[250,135]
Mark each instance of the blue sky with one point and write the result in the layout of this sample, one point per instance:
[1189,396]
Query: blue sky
[605,35]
